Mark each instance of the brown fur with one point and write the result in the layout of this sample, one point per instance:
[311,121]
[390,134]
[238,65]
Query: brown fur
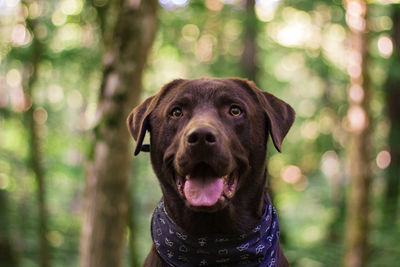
[239,144]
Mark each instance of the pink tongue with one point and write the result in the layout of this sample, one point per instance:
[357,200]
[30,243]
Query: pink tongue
[203,192]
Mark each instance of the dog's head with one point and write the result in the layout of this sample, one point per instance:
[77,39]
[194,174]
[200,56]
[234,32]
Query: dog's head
[209,138]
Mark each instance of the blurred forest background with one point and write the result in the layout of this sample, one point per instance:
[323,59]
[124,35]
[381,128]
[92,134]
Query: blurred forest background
[70,191]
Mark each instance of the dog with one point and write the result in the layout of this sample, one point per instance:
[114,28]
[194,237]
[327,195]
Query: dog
[208,143]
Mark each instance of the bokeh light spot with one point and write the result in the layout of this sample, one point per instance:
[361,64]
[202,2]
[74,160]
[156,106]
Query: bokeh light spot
[385,46]
[291,174]
[190,32]
[55,93]
[330,165]
[204,48]
[356,93]
[13,78]
[215,5]
[58,18]
[34,10]
[355,15]
[265,9]
[306,108]
[357,118]
[55,238]
[172,4]
[40,115]
[302,184]
[74,99]
[20,35]
[309,130]
[383,159]
[71,7]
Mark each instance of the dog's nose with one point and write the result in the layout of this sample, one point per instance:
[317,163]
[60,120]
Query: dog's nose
[202,136]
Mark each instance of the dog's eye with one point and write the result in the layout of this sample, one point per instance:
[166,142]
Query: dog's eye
[235,111]
[177,112]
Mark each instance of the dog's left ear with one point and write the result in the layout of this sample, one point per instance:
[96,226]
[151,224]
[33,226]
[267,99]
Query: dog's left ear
[280,115]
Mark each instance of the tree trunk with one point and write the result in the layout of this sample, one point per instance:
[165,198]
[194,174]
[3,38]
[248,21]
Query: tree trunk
[357,226]
[106,204]
[248,60]
[35,146]
[133,255]
[392,97]
[7,254]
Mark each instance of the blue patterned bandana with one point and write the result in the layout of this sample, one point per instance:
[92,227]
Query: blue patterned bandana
[256,248]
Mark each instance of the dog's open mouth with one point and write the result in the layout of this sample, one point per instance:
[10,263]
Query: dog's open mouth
[202,188]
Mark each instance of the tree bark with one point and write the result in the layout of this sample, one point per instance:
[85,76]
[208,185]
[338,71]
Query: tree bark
[392,100]
[106,204]
[7,254]
[133,255]
[35,146]
[357,223]
[248,59]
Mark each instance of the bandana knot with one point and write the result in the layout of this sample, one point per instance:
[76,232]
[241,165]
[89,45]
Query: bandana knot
[255,248]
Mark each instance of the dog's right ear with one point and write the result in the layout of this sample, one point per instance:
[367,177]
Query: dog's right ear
[138,121]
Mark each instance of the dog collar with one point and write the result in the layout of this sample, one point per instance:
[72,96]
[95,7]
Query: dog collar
[256,248]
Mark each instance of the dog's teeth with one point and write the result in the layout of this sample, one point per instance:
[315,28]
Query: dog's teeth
[187,177]
[229,194]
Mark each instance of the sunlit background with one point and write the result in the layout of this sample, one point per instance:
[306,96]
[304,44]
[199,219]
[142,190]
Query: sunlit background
[303,57]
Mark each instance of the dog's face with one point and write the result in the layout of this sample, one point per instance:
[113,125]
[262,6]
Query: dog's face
[209,138]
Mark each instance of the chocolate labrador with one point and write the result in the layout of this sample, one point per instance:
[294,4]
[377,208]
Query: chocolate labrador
[208,143]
